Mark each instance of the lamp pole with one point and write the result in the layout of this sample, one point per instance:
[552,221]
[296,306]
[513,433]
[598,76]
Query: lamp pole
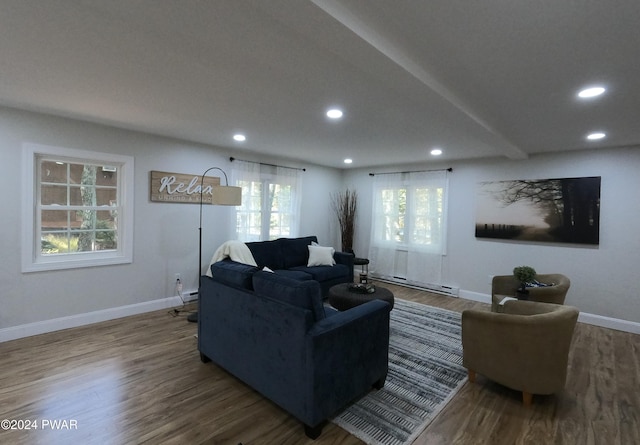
[194,316]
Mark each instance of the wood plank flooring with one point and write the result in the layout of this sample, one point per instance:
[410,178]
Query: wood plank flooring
[140,380]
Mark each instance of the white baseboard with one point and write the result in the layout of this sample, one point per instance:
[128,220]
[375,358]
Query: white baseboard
[73,321]
[611,323]
[584,317]
[475,296]
[443,289]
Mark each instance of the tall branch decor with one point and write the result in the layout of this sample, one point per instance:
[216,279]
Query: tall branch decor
[345,205]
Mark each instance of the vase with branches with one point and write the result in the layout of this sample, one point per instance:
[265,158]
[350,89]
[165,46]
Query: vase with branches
[345,205]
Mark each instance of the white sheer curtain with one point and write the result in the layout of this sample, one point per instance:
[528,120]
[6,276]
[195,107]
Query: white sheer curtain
[247,223]
[271,200]
[408,237]
[285,201]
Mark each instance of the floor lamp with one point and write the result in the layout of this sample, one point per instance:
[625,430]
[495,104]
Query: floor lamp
[222,195]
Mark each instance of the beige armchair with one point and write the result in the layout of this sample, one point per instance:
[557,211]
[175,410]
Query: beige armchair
[525,348]
[507,285]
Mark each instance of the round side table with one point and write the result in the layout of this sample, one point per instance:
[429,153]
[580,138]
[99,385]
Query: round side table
[364,265]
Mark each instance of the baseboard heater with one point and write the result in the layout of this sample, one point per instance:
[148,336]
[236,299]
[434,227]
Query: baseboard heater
[437,288]
[189,296]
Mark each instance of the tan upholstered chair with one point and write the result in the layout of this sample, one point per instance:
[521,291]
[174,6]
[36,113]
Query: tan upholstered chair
[507,285]
[525,348]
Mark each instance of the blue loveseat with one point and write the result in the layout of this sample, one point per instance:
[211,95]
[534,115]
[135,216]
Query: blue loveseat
[274,333]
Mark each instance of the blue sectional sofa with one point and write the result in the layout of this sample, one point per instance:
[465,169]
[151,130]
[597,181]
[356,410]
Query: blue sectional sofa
[273,332]
[289,257]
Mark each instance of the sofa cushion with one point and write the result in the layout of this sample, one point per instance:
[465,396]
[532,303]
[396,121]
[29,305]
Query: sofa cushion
[234,274]
[268,253]
[330,311]
[294,274]
[295,251]
[325,273]
[303,294]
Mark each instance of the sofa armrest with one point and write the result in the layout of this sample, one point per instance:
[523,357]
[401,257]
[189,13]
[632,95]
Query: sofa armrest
[354,316]
[346,259]
[348,353]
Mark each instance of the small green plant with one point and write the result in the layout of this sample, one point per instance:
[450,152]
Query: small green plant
[524,274]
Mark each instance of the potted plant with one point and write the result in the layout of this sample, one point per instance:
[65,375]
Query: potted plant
[524,274]
[345,205]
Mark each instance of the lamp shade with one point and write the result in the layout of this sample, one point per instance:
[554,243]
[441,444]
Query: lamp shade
[226,195]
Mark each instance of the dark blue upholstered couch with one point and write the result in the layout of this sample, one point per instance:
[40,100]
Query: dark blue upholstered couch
[290,256]
[273,333]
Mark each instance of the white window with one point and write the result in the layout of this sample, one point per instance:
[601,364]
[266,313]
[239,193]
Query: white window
[410,215]
[77,208]
[270,201]
[408,239]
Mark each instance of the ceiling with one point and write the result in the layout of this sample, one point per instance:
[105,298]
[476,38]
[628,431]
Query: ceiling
[484,79]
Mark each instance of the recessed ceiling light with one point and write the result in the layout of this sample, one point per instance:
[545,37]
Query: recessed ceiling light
[436,152]
[590,92]
[239,137]
[334,113]
[596,136]
[348,161]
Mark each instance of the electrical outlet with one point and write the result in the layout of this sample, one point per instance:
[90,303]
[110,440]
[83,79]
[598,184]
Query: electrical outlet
[177,277]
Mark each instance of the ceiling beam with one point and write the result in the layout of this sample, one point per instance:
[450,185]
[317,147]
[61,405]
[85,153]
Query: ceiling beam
[401,57]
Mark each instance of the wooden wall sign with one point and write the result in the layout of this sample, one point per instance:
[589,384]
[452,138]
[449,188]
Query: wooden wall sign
[181,188]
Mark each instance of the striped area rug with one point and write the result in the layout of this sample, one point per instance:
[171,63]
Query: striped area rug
[425,372]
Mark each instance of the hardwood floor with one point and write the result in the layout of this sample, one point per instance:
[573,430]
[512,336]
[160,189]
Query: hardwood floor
[140,380]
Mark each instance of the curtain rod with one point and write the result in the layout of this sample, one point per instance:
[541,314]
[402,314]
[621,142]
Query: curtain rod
[413,171]
[270,165]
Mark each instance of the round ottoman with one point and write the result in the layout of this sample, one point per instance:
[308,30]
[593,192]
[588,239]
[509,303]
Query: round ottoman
[341,298]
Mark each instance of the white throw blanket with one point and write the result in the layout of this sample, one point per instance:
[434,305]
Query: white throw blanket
[234,249]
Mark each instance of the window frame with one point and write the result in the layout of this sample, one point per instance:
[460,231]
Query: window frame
[266,180]
[32,258]
[410,216]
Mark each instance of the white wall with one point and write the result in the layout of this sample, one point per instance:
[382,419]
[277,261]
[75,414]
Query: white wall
[317,216]
[165,235]
[603,277]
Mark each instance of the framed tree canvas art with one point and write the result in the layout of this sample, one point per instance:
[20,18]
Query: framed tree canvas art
[544,210]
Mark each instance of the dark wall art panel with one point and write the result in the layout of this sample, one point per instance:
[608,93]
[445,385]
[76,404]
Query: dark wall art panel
[546,210]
